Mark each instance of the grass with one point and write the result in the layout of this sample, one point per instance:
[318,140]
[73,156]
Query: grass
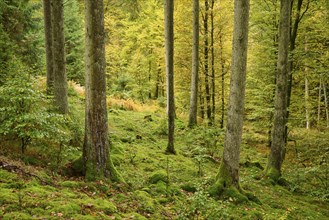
[161,186]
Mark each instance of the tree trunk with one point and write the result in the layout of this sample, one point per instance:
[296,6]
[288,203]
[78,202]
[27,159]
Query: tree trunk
[228,175]
[293,35]
[96,143]
[48,45]
[319,102]
[60,79]
[213,84]
[326,103]
[206,61]
[276,156]
[222,63]
[307,105]
[195,66]
[169,44]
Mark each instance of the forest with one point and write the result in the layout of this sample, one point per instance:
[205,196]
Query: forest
[149,109]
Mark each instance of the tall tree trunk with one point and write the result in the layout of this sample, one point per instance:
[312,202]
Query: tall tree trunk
[195,66]
[319,102]
[277,153]
[206,61]
[96,144]
[326,103]
[49,45]
[201,98]
[213,84]
[307,105]
[157,85]
[228,175]
[293,36]
[222,63]
[169,43]
[60,79]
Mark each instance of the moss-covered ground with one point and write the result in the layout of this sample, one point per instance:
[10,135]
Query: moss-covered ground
[160,186]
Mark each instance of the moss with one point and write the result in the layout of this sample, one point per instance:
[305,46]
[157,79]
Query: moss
[67,209]
[135,216]
[97,204]
[7,196]
[147,204]
[273,174]
[158,176]
[115,176]
[70,184]
[16,215]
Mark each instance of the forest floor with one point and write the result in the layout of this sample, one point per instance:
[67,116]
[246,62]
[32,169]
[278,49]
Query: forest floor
[160,186]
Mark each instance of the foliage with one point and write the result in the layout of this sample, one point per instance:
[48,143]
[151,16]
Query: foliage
[23,112]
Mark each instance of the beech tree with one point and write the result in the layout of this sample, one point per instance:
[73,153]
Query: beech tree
[228,175]
[48,44]
[195,66]
[96,148]
[277,153]
[169,44]
[60,79]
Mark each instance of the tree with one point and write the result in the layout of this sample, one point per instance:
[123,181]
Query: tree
[48,45]
[169,45]
[60,81]
[195,66]
[96,148]
[228,175]
[277,153]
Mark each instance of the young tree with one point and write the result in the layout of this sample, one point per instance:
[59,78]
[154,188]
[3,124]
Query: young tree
[169,44]
[48,45]
[195,66]
[228,175]
[96,143]
[277,153]
[60,81]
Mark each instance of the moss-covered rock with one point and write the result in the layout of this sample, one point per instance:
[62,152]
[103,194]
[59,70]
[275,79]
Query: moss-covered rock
[147,204]
[189,187]
[158,176]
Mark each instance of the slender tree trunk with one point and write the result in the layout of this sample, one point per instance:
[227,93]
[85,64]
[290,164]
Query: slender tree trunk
[169,43]
[60,79]
[222,63]
[213,84]
[293,36]
[157,85]
[202,113]
[48,45]
[319,102]
[150,76]
[96,144]
[326,103]
[195,66]
[307,105]
[229,170]
[206,61]
[277,153]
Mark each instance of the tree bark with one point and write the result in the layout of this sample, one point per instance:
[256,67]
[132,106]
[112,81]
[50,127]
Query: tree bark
[326,103]
[60,79]
[96,143]
[48,45]
[169,45]
[212,49]
[228,175]
[319,102]
[222,63]
[307,95]
[206,61]
[195,66]
[277,153]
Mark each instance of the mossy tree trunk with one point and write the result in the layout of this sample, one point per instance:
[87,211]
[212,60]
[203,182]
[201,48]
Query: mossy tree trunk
[96,143]
[228,175]
[195,66]
[48,45]
[276,156]
[60,79]
[169,44]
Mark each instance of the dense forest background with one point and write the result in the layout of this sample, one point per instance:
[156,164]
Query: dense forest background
[42,146]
